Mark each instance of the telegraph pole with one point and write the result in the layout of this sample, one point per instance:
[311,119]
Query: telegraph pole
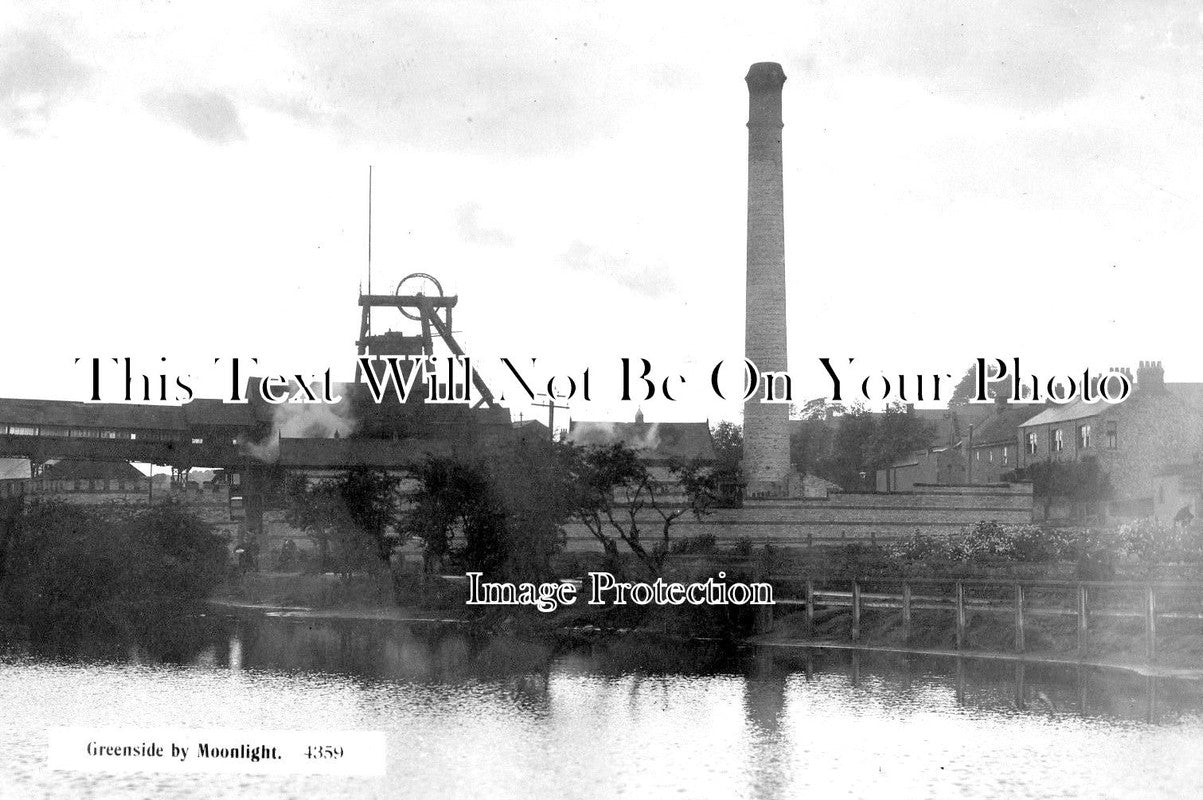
[551,407]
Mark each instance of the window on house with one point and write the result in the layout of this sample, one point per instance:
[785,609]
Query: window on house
[1058,441]
[977,455]
[1006,455]
[990,456]
[1033,445]
[1112,436]
[1083,437]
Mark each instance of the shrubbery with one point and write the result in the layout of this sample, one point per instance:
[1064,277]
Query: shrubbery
[1096,551]
[69,569]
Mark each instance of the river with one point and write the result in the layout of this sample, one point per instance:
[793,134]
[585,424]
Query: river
[497,718]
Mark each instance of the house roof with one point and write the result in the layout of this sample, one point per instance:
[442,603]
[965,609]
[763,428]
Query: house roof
[1191,393]
[1002,427]
[69,413]
[1066,413]
[684,441]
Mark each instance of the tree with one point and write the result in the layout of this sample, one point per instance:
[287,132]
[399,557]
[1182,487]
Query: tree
[500,514]
[349,517]
[810,444]
[728,439]
[865,442]
[74,570]
[1081,483]
[616,494]
[966,388]
[852,449]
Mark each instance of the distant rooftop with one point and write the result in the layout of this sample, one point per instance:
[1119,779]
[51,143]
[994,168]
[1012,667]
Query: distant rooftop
[684,441]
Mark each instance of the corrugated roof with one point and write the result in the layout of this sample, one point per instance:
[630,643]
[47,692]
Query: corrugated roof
[685,441]
[68,413]
[14,468]
[68,470]
[215,412]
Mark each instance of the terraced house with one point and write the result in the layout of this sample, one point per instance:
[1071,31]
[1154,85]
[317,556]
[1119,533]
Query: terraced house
[1132,441]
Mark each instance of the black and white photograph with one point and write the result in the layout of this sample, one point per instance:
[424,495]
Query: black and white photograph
[596,399]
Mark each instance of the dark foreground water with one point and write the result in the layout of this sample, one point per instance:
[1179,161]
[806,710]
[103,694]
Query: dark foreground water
[497,718]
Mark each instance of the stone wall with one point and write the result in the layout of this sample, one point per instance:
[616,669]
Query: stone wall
[843,517]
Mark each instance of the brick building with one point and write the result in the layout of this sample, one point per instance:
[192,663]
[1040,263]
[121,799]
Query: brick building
[943,465]
[992,445]
[1132,441]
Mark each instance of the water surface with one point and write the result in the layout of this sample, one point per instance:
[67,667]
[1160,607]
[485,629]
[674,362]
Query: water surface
[480,717]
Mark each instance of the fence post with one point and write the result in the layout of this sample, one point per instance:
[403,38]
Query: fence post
[810,607]
[960,615]
[855,611]
[1151,624]
[1019,637]
[764,619]
[1082,643]
[906,610]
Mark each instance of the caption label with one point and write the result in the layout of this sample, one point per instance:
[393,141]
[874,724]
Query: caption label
[219,750]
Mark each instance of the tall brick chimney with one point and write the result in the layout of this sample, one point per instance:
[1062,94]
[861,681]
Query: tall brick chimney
[766,425]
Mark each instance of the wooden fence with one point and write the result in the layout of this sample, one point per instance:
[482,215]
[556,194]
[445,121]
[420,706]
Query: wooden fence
[1082,600]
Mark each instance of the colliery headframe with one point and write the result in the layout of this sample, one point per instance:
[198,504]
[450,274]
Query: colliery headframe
[255,442]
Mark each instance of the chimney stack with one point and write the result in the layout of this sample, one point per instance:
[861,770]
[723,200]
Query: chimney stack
[766,425]
[1150,376]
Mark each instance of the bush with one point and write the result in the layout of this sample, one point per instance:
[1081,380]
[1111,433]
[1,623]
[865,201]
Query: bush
[1151,542]
[702,544]
[70,569]
[1095,552]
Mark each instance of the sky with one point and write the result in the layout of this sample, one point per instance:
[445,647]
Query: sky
[962,179]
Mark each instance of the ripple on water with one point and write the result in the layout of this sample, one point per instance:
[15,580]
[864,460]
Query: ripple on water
[584,726]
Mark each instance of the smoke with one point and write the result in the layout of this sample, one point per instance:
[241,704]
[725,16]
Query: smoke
[650,438]
[638,436]
[303,421]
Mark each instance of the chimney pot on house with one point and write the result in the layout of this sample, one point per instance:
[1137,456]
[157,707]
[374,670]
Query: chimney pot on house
[1150,376]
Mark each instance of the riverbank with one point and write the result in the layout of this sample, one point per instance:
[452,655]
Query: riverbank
[329,597]
[387,614]
[1116,644]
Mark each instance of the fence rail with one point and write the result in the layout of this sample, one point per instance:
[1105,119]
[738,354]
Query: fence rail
[1081,600]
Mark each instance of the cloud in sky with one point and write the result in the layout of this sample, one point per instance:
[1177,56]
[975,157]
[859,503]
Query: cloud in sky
[600,148]
[470,229]
[482,78]
[36,74]
[648,280]
[976,52]
[208,115]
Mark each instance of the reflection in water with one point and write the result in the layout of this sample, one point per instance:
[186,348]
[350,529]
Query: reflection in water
[469,715]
